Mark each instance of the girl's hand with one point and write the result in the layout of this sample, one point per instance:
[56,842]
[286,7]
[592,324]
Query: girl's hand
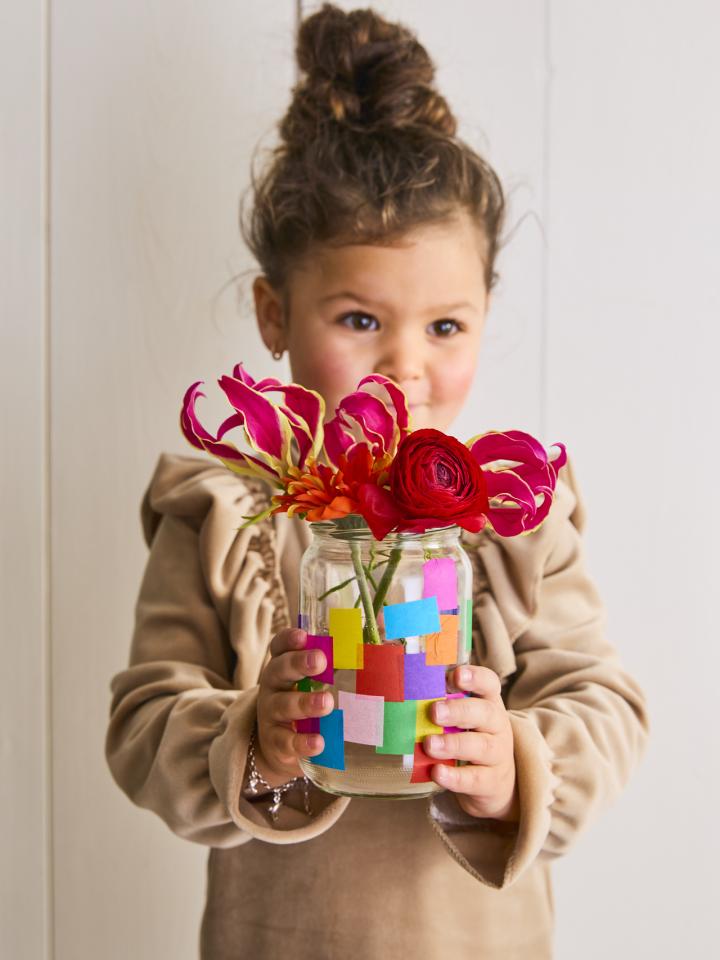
[486,787]
[278,745]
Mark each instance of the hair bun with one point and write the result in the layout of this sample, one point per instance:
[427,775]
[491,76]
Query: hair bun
[363,72]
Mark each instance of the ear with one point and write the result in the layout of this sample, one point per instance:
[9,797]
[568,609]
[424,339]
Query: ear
[269,314]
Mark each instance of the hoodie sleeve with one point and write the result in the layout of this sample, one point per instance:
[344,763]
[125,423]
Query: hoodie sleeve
[182,711]
[579,719]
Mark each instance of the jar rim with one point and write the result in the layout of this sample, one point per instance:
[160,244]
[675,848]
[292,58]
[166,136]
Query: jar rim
[330,528]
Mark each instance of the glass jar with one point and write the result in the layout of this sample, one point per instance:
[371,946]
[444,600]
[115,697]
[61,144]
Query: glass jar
[393,618]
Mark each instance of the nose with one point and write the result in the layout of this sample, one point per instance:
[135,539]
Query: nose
[402,357]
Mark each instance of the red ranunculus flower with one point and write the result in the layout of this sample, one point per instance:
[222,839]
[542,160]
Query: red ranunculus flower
[434,482]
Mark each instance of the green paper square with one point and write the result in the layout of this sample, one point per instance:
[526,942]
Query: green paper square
[398,727]
[307,684]
[467,620]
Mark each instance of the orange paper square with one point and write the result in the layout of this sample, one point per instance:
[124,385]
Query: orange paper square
[442,647]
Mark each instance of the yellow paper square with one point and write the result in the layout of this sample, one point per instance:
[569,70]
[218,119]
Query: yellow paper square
[346,631]
[423,723]
[442,647]
[347,654]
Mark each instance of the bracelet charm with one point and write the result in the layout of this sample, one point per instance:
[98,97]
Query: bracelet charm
[256,782]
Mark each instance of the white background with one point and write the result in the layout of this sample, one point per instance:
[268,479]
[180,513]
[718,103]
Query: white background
[126,133]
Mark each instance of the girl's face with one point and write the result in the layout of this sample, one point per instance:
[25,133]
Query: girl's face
[413,311]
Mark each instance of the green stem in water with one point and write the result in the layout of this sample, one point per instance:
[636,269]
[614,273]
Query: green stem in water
[370,622]
[386,579]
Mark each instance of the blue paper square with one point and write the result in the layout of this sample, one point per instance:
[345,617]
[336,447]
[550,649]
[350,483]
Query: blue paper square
[333,755]
[423,682]
[411,619]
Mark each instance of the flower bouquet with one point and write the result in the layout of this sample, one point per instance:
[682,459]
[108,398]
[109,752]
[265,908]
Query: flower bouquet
[385,585]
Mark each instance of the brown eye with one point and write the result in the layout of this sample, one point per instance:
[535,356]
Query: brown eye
[359,321]
[444,328]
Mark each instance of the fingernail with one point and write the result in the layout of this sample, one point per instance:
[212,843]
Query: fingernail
[445,773]
[435,743]
[318,701]
[441,711]
[314,660]
[464,675]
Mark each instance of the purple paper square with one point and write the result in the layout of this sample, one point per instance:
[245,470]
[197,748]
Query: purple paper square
[326,645]
[308,725]
[423,682]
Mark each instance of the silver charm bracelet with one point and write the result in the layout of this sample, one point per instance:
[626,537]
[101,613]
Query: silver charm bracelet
[256,782]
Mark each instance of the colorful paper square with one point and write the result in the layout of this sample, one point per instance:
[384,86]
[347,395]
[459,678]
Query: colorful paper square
[307,684]
[303,621]
[333,754]
[466,626]
[455,696]
[442,647]
[422,764]
[398,727]
[307,725]
[363,717]
[382,674]
[326,645]
[346,631]
[411,619]
[423,724]
[422,681]
[440,581]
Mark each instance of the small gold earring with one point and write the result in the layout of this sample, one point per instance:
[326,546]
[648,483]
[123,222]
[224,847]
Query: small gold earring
[277,354]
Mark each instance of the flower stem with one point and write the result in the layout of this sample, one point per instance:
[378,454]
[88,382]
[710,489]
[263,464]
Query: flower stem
[370,620]
[386,579]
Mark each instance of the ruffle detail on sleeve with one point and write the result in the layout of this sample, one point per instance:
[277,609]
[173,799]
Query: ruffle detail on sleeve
[240,567]
[507,576]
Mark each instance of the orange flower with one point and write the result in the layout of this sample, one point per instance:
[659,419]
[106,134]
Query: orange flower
[321,493]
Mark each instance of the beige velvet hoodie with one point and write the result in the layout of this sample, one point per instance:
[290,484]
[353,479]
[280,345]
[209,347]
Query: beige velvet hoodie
[360,879]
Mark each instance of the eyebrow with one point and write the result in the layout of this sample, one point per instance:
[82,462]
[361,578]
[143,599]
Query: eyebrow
[349,295]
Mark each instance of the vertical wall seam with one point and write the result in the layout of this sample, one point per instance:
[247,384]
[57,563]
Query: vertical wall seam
[545,190]
[298,18]
[46,361]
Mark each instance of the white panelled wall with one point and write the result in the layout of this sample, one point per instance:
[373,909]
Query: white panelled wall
[128,129]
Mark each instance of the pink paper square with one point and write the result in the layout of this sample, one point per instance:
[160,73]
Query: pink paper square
[363,717]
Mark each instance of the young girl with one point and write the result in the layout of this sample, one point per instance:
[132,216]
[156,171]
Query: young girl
[376,230]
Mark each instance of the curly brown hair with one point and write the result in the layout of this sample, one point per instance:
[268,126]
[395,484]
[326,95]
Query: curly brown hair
[368,150]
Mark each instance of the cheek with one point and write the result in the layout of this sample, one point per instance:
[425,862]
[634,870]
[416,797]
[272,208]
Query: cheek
[449,390]
[332,370]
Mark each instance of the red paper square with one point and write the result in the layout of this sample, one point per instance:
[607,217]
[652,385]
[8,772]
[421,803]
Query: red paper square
[383,672]
[422,763]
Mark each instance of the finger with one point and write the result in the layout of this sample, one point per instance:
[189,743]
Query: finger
[286,747]
[471,713]
[478,748]
[291,638]
[287,668]
[480,681]
[478,782]
[284,706]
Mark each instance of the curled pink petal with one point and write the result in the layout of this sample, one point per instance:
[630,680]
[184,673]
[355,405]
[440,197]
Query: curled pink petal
[191,427]
[372,416]
[396,394]
[507,445]
[241,374]
[262,419]
[337,439]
